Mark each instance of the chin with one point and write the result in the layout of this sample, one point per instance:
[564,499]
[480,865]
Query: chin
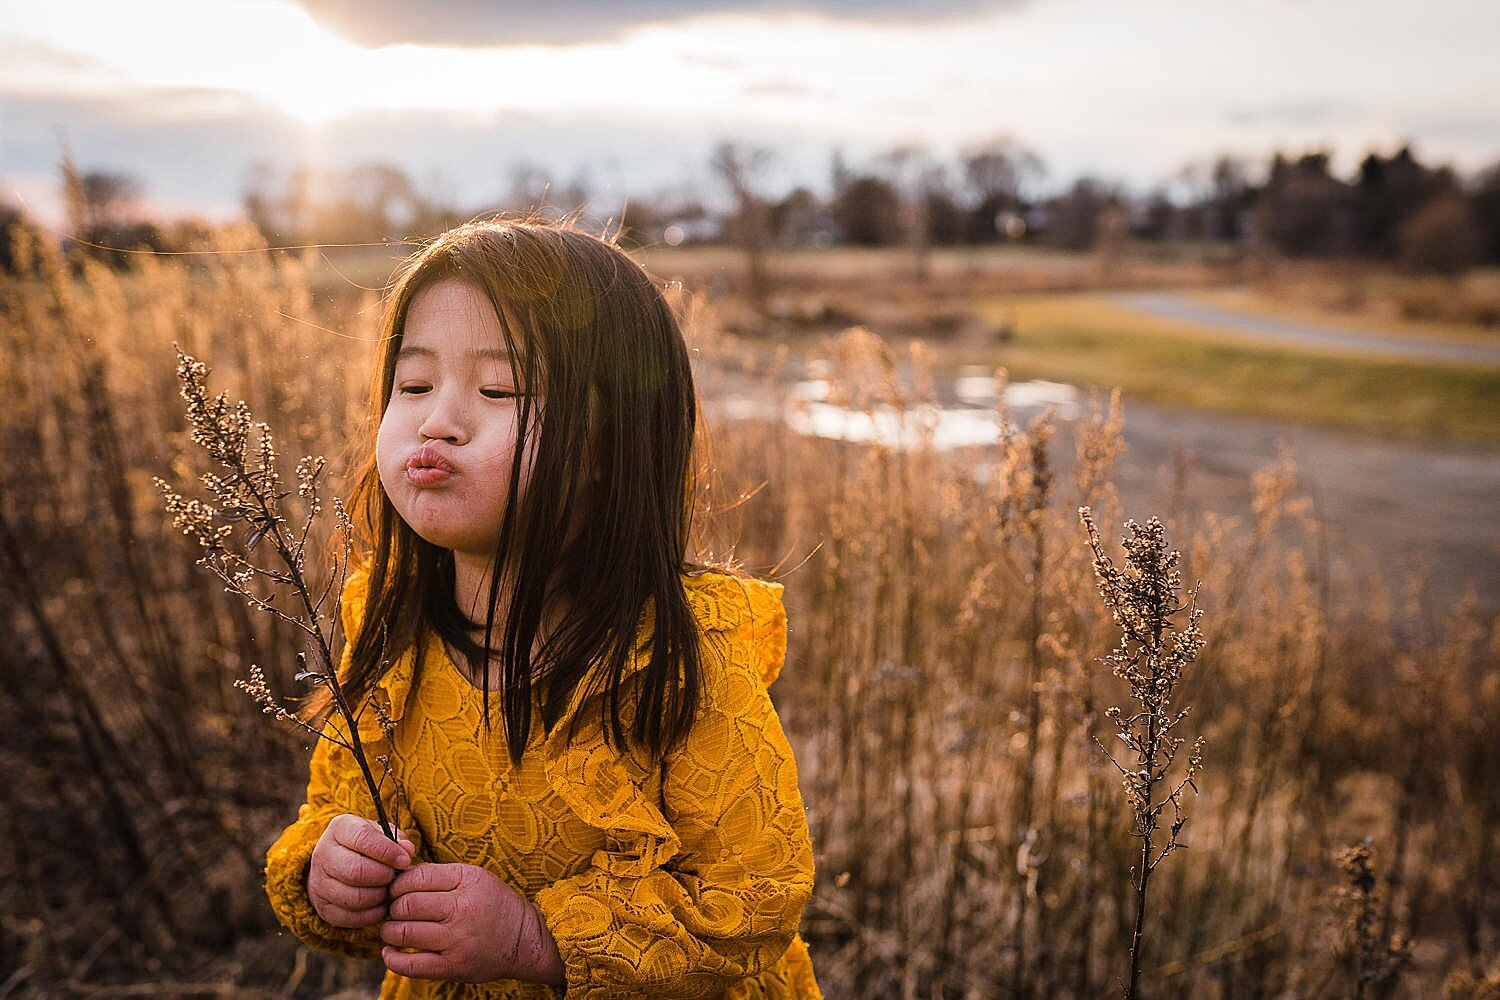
[441,535]
[449,536]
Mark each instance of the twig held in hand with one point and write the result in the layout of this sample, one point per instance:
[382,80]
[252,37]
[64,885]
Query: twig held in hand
[248,492]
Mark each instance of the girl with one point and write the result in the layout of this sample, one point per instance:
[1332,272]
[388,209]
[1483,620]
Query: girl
[638,831]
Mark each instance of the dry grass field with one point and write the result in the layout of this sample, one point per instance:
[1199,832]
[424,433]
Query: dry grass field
[944,688]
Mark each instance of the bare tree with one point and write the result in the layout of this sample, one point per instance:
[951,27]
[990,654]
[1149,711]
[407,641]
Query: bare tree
[739,167]
[868,212]
[915,175]
[530,186]
[97,198]
[1074,217]
[998,174]
[386,195]
[367,202]
[1233,196]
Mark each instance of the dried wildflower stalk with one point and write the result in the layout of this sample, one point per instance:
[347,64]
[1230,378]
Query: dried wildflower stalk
[1374,962]
[249,492]
[1151,657]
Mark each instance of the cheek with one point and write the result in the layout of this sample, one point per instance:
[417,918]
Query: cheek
[498,446]
[387,455]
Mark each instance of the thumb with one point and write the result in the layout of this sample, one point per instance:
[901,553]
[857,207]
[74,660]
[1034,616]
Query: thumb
[405,843]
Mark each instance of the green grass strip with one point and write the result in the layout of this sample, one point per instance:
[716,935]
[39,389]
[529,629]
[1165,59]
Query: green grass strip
[1085,341]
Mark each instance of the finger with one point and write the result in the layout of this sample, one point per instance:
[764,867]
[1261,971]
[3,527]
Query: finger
[348,897]
[340,917]
[363,836]
[428,878]
[416,965]
[351,868]
[423,906]
[423,934]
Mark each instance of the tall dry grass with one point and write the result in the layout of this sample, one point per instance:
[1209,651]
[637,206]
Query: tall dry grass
[943,690]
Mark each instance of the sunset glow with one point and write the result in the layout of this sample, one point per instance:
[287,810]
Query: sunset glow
[1131,93]
[273,53]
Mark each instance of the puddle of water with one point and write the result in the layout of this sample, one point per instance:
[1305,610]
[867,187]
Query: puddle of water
[914,428]
[927,425]
[976,386]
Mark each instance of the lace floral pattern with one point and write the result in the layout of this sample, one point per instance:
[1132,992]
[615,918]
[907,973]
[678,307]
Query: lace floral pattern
[684,879]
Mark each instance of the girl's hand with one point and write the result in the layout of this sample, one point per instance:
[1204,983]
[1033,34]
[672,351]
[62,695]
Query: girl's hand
[352,866]
[467,925]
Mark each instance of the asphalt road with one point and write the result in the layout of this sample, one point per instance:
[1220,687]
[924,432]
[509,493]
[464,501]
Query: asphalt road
[1267,329]
[1388,507]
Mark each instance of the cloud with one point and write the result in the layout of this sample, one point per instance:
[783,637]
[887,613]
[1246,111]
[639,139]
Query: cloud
[198,161]
[1480,126]
[1299,113]
[39,68]
[204,163]
[477,23]
[775,89]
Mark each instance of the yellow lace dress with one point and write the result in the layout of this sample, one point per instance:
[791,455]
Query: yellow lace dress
[686,879]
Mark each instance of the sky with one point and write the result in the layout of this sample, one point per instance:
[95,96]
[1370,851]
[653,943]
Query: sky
[631,96]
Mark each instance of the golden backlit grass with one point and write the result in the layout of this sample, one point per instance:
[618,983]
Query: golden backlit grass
[943,691]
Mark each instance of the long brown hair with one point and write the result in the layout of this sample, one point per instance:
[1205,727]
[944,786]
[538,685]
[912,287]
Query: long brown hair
[608,416]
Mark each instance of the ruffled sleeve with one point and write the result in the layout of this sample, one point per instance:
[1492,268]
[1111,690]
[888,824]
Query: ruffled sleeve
[335,786]
[704,884]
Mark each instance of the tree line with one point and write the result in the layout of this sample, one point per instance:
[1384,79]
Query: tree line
[1394,208]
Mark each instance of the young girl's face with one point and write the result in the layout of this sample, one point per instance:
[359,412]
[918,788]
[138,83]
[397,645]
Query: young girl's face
[447,439]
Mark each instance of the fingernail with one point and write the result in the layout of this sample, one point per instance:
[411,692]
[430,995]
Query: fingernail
[402,860]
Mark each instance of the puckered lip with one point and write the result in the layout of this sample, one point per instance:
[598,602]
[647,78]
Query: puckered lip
[429,457]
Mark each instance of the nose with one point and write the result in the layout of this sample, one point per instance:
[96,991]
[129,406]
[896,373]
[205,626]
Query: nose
[446,419]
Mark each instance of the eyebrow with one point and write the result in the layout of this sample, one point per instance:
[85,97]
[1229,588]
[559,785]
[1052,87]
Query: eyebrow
[484,353]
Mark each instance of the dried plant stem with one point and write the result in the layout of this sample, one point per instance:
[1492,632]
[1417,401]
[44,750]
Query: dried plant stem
[1376,958]
[1145,868]
[329,676]
[94,737]
[252,494]
[1029,480]
[1142,598]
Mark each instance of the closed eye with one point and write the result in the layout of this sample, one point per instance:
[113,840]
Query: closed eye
[501,393]
[415,389]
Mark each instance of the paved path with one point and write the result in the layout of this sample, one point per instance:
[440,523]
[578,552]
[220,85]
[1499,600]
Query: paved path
[1284,331]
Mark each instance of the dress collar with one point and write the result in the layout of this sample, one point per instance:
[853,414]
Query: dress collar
[720,602]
